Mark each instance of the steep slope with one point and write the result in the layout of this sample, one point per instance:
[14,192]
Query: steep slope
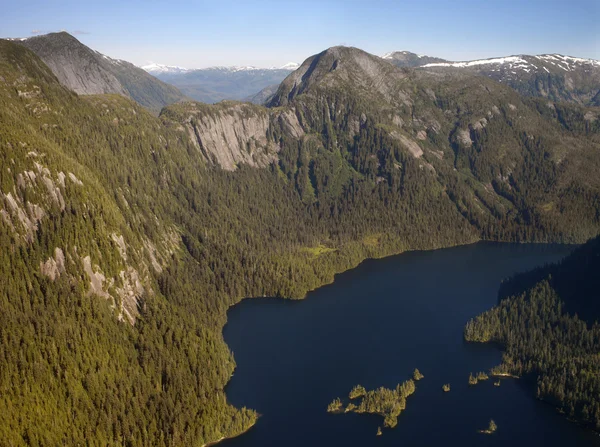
[264,96]
[211,85]
[231,134]
[552,76]
[541,321]
[458,126]
[408,59]
[340,67]
[123,242]
[88,72]
[75,65]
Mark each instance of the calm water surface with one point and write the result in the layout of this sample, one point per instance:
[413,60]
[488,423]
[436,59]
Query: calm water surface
[373,326]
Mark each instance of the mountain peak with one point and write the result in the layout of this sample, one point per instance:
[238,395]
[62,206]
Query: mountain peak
[154,68]
[290,66]
[409,59]
[337,64]
[88,72]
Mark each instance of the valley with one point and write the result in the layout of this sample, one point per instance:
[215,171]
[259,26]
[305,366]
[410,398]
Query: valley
[127,236]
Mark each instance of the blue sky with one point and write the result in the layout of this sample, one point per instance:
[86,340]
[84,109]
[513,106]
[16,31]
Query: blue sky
[270,33]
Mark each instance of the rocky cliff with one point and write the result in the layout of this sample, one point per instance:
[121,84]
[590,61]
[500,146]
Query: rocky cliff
[88,72]
[230,133]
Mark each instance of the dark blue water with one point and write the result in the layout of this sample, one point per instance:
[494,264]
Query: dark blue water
[373,326]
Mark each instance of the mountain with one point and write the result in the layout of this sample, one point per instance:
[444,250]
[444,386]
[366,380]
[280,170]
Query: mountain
[125,237]
[552,76]
[340,67]
[211,85]
[264,96]
[88,72]
[408,59]
[156,69]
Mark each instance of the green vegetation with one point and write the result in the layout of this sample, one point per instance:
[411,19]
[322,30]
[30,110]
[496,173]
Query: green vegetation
[473,379]
[492,427]
[546,341]
[97,191]
[357,391]
[382,401]
[417,375]
[446,387]
[335,405]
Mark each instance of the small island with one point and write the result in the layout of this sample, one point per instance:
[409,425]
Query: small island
[385,402]
[417,375]
[335,406]
[446,387]
[492,427]
[474,379]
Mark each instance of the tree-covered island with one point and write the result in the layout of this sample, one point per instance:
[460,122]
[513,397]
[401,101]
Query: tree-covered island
[385,402]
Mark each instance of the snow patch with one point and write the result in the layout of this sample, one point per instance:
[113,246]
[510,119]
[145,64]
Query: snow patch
[499,60]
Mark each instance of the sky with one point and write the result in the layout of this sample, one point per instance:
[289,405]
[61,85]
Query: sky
[267,33]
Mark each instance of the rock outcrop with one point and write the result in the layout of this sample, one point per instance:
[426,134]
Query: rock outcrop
[88,72]
[230,133]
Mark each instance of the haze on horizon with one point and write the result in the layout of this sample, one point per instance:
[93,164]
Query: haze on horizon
[268,33]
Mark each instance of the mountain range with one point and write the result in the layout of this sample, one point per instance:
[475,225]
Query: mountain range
[126,236]
[215,84]
[552,76]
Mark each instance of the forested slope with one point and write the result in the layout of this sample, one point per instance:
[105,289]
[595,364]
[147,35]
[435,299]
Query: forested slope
[123,245]
[547,321]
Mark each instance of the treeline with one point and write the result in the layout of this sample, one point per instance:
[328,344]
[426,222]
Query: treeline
[385,402]
[544,341]
[201,239]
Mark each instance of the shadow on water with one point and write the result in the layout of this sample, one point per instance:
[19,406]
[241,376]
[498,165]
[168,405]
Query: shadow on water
[373,326]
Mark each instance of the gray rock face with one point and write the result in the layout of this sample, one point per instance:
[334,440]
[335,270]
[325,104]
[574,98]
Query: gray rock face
[408,59]
[340,65]
[552,76]
[75,65]
[235,133]
[87,72]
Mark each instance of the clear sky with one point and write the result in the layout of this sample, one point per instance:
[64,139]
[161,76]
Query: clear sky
[269,33]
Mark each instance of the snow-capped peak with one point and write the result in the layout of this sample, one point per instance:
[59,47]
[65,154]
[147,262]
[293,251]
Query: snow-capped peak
[290,66]
[390,55]
[498,60]
[159,68]
[522,62]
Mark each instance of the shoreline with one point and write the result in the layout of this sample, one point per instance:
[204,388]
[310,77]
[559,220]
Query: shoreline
[352,266]
[512,376]
[223,438]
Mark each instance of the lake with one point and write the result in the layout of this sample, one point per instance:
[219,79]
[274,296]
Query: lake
[373,326]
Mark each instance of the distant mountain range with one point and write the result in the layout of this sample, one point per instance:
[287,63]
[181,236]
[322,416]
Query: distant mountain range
[215,84]
[553,76]
[85,71]
[88,72]
[125,237]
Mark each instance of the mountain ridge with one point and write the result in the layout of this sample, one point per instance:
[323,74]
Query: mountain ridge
[214,84]
[89,72]
[553,76]
[363,160]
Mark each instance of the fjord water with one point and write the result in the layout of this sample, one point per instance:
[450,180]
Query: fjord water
[373,326]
